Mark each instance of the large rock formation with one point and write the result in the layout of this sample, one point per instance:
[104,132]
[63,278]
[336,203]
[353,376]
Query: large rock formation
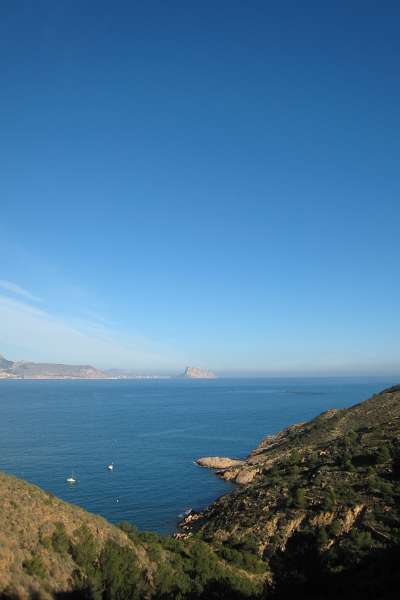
[218,462]
[196,373]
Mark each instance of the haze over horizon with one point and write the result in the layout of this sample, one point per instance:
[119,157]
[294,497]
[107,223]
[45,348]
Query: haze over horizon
[208,184]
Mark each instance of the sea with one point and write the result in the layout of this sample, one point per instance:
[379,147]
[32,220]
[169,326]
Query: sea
[153,431]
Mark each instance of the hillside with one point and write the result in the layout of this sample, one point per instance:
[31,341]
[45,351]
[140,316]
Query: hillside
[317,515]
[49,548]
[30,370]
[331,485]
[36,532]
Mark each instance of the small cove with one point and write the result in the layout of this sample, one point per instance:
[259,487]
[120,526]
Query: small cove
[152,430]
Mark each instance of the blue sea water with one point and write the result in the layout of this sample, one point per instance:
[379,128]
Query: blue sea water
[152,430]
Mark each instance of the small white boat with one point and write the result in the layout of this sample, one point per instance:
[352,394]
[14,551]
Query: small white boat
[71,479]
[110,466]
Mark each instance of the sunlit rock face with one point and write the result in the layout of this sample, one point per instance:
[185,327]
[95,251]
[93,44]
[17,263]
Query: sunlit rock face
[196,373]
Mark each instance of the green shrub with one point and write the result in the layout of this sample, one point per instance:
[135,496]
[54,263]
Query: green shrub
[299,499]
[119,573]
[84,553]
[322,537]
[35,567]
[385,487]
[245,560]
[248,544]
[294,457]
[348,466]
[59,539]
[329,500]
[131,530]
[396,463]
[150,537]
[383,455]
[336,527]
[84,550]
[361,539]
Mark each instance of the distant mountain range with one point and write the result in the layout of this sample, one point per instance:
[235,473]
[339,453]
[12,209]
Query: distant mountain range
[31,370]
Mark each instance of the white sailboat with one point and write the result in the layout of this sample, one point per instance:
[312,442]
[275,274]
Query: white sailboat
[110,467]
[71,478]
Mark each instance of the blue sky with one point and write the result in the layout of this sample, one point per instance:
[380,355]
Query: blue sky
[208,183]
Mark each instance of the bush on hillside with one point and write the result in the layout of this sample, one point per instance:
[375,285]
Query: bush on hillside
[59,539]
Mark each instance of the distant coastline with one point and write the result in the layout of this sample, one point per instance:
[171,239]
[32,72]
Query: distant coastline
[72,378]
[14,370]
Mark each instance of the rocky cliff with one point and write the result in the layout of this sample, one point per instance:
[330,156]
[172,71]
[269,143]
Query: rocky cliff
[330,485]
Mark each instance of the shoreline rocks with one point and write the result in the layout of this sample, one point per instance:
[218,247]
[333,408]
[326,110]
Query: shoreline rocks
[230,469]
[218,462]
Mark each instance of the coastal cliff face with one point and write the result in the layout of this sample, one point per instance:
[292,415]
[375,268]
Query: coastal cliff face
[332,483]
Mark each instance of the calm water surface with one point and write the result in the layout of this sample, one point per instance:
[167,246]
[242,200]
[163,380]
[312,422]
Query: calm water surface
[152,431]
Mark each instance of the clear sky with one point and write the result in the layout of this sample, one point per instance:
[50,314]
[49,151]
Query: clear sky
[212,183]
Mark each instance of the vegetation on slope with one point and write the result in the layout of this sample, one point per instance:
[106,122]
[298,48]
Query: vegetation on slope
[49,548]
[320,519]
[325,497]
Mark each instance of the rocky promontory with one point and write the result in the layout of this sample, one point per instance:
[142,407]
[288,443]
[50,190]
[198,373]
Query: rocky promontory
[218,462]
[328,488]
[31,370]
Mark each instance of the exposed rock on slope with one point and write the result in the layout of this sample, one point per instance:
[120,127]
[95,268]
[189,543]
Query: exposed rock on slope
[336,478]
[218,462]
[320,508]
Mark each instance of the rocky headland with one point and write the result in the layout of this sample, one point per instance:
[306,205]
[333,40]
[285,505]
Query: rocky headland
[32,370]
[323,492]
[218,462]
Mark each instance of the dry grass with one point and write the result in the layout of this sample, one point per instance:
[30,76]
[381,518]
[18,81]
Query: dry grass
[28,519]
